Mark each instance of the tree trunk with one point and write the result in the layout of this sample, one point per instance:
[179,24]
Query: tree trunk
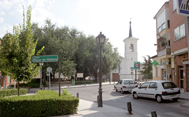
[18,89]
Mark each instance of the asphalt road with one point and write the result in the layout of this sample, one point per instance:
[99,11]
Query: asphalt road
[140,106]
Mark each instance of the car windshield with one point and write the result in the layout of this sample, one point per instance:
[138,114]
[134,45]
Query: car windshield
[169,85]
[129,82]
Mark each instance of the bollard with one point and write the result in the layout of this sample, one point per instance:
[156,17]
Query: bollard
[129,107]
[77,95]
[97,99]
[153,114]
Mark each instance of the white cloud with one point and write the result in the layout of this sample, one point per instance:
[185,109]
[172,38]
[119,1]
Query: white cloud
[2,13]
[40,3]
[1,20]
[5,4]
[39,15]
[4,29]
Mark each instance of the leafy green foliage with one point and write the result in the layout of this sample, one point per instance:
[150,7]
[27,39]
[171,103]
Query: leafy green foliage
[10,92]
[76,50]
[65,92]
[147,69]
[17,49]
[83,82]
[44,103]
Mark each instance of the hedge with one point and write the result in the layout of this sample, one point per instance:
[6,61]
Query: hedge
[83,82]
[44,103]
[10,92]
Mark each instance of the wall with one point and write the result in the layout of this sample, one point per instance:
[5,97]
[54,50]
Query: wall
[175,21]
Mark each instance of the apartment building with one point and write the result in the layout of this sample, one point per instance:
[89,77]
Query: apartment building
[172,49]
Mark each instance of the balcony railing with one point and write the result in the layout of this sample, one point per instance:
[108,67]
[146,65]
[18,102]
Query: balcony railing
[164,52]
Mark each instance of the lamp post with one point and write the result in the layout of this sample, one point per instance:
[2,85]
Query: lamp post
[118,61]
[41,64]
[100,40]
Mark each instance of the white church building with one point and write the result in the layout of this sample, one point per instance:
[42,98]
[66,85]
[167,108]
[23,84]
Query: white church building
[126,68]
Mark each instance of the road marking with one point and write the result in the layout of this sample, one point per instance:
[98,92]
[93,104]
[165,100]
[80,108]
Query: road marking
[174,114]
[149,115]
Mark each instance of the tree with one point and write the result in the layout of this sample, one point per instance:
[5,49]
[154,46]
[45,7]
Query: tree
[76,50]
[17,49]
[147,69]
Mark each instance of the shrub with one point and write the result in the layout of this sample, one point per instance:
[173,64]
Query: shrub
[65,92]
[83,82]
[10,92]
[44,103]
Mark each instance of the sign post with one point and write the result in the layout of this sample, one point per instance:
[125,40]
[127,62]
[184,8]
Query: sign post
[183,9]
[49,69]
[48,58]
[136,67]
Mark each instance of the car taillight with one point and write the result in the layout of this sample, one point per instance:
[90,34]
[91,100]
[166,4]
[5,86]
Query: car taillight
[164,93]
[124,86]
[136,86]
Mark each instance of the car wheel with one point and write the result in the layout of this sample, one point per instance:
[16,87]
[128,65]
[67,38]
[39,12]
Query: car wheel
[159,98]
[122,91]
[135,96]
[175,99]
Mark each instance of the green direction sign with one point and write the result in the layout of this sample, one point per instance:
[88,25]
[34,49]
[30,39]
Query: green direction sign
[44,58]
[137,65]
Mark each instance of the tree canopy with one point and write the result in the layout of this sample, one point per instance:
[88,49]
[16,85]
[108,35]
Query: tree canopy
[17,49]
[147,69]
[76,50]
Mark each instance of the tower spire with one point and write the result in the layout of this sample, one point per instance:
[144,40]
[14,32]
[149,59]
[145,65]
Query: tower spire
[130,31]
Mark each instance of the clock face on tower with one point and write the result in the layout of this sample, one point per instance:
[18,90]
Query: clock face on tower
[131,48]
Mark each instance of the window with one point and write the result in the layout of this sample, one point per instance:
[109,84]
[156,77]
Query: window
[161,27]
[9,79]
[179,32]
[174,5]
[169,85]
[129,82]
[120,82]
[145,85]
[131,48]
[153,85]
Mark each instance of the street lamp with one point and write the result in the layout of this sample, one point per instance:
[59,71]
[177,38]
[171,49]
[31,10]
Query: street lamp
[119,62]
[41,64]
[100,40]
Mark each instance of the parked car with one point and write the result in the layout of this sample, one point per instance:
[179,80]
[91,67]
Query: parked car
[125,85]
[159,90]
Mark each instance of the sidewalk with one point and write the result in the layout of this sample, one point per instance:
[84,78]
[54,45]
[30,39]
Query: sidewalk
[91,109]
[185,96]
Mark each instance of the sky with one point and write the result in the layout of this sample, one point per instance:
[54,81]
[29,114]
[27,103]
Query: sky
[111,17]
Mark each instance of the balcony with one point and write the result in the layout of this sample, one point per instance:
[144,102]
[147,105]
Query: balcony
[164,51]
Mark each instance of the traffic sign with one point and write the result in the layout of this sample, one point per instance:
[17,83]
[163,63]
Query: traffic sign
[49,69]
[137,65]
[132,68]
[74,71]
[183,7]
[44,58]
